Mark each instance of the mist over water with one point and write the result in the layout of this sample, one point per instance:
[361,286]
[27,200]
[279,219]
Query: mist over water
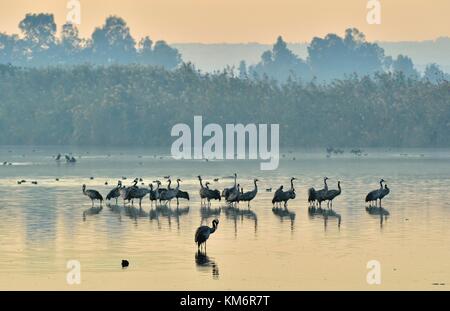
[46,224]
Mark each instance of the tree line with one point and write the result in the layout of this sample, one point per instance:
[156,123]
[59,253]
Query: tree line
[331,57]
[111,43]
[334,57]
[125,105]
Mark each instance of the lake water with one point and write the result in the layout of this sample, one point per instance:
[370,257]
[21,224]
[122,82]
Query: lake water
[45,225]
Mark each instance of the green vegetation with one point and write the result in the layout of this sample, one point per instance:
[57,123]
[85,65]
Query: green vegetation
[110,90]
[138,105]
[112,43]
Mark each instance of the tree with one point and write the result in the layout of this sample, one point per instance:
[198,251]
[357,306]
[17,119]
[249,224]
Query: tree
[39,30]
[71,46]
[113,43]
[434,74]
[145,45]
[39,37]
[403,64]
[87,104]
[334,57]
[242,70]
[9,49]
[165,56]
[281,64]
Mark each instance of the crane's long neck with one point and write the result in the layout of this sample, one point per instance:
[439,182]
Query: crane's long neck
[213,229]
[326,186]
[178,184]
[201,183]
[170,182]
[381,184]
[157,190]
[292,184]
[256,186]
[339,187]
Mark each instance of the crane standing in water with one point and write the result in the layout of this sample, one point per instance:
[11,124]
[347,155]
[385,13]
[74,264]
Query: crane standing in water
[125,191]
[332,194]
[284,196]
[234,195]
[203,232]
[170,194]
[384,192]
[93,195]
[154,193]
[181,194]
[374,195]
[115,192]
[249,195]
[322,193]
[211,194]
[227,191]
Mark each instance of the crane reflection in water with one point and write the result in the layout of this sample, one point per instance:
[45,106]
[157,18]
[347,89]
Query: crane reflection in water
[204,263]
[207,212]
[326,214]
[235,214]
[380,212]
[165,211]
[284,213]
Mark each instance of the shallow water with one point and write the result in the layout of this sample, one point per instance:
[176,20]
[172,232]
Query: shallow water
[45,225]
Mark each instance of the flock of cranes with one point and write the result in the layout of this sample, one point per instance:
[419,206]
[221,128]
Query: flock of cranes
[318,196]
[232,195]
[378,194]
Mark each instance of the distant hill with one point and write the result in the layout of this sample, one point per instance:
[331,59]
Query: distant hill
[422,52]
[210,57]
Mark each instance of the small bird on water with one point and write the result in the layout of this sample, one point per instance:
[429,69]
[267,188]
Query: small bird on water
[125,264]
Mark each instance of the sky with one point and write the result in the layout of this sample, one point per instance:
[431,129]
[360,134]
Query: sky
[241,21]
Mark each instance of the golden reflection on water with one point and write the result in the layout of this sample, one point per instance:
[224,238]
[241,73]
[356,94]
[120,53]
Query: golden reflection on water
[261,247]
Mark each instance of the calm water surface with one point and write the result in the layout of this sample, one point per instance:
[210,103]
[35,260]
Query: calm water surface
[45,225]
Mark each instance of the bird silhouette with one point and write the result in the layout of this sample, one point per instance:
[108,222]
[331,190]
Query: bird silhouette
[203,232]
[93,195]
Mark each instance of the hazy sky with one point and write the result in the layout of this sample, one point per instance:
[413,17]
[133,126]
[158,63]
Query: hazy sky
[246,20]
